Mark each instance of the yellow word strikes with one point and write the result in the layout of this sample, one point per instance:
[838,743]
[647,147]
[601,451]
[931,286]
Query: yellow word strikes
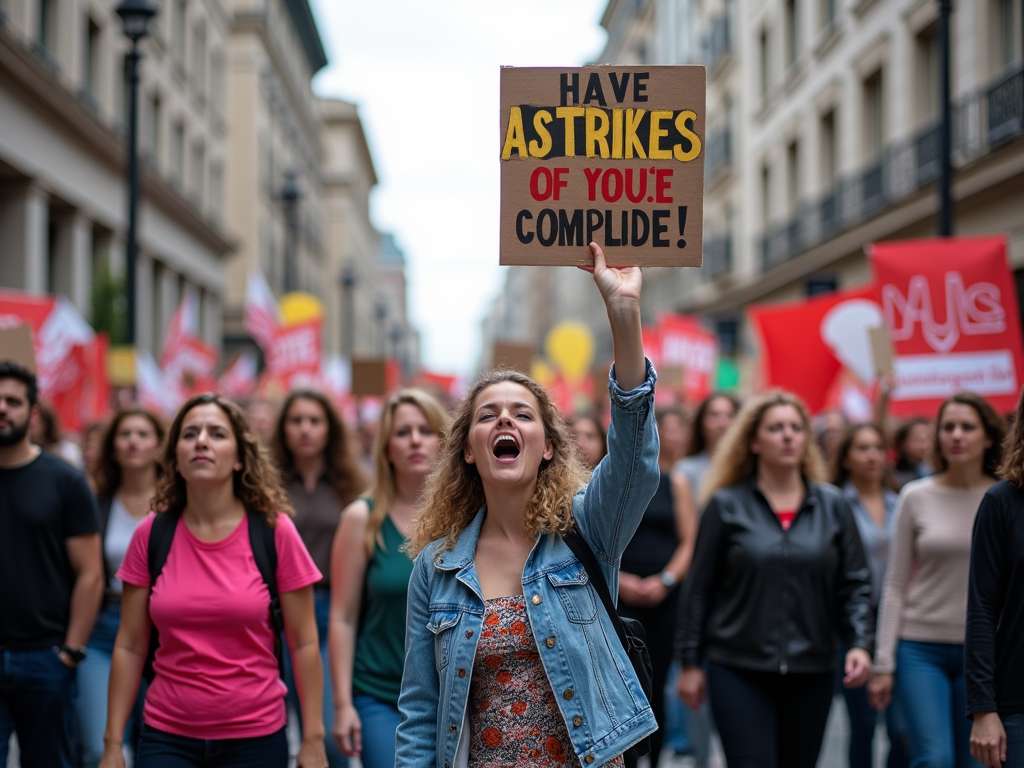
[596,132]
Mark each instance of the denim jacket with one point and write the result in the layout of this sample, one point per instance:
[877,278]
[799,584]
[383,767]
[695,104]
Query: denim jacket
[600,699]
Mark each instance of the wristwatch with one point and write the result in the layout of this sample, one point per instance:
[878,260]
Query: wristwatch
[668,579]
[77,655]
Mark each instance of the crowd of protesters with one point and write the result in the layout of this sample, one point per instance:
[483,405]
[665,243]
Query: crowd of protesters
[427,589]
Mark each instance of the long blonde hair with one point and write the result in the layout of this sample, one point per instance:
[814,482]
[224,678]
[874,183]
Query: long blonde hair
[734,462]
[455,492]
[384,488]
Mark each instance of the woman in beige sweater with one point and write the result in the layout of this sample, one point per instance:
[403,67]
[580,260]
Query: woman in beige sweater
[924,601]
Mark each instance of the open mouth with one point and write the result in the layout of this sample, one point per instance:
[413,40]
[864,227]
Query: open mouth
[506,448]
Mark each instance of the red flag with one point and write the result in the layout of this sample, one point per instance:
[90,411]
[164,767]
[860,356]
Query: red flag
[262,320]
[806,345]
[951,308]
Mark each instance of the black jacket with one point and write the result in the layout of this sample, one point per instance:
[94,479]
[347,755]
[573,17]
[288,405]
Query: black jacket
[762,598]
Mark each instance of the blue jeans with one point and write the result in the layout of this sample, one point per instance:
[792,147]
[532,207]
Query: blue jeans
[159,749]
[322,606]
[37,701]
[380,722]
[930,686]
[93,679]
[864,720]
[1014,727]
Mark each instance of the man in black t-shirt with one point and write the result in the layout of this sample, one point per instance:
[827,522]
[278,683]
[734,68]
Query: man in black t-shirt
[51,583]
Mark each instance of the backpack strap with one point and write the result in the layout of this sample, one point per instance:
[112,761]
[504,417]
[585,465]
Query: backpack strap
[581,548]
[264,551]
[161,536]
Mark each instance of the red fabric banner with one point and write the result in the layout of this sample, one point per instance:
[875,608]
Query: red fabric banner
[808,346]
[951,309]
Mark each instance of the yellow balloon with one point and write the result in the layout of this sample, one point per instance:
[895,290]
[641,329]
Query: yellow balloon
[570,346]
[541,372]
[298,307]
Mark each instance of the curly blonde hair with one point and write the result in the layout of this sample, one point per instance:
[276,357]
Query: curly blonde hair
[385,486]
[455,493]
[734,462]
[257,484]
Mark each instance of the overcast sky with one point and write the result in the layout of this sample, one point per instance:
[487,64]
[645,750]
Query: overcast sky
[425,77]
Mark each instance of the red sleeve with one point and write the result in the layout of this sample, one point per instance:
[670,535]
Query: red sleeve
[135,566]
[295,568]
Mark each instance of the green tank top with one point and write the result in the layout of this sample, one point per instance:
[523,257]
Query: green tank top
[380,640]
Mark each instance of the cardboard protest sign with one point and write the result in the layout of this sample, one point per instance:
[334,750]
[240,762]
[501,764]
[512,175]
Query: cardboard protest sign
[513,357]
[881,350]
[369,377]
[951,308]
[16,345]
[606,154]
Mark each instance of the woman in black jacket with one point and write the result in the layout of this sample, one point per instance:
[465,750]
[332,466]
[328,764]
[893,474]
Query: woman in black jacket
[778,569]
[994,645]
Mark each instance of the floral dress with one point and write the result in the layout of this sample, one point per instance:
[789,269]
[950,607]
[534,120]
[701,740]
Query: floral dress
[514,719]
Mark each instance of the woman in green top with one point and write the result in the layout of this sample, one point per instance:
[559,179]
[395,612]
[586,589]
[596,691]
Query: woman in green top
[370,577]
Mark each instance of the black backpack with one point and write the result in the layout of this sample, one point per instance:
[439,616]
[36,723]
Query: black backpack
[264,551]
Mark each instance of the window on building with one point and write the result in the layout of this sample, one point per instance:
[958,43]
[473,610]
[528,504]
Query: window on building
[765,60]
[155,119]
[792,24]
[766,195]
[46,34]
[91,49]
[216,197]
[926,74]
[197,172]
[180,17]
[1007,25]
[199,56]
[874,116]
[177,152]
[217,78]
[828,12]
[829,150]
[793,177]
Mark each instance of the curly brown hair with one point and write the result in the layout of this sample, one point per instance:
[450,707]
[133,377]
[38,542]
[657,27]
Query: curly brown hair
[257,484]
[734,462]
[991,422]
[107,473]
[1012,469]
[455,493]
[343,470]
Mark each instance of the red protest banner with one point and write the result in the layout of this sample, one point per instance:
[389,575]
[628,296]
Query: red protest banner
[951,309]
[294,357]
[809,346]
[680,348]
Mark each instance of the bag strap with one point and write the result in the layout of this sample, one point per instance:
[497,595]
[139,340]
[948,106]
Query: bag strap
[264,552]
[161,536]
[581,548]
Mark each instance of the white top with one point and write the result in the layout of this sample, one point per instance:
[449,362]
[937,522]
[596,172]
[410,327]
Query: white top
[120,527]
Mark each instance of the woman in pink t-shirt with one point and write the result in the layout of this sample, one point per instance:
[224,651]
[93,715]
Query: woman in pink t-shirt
[217,698]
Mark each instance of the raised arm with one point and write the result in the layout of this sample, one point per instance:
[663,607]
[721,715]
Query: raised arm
[620,289]
[348,570]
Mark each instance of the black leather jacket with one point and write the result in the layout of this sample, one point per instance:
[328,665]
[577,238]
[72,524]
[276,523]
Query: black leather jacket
[762,598]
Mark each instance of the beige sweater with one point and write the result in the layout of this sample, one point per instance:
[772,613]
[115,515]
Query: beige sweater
[925,593]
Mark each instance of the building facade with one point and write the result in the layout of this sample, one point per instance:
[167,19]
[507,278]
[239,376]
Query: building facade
[822,137]
[63,203]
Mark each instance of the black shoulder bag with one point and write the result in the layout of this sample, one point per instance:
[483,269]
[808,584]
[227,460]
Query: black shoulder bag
[630,631]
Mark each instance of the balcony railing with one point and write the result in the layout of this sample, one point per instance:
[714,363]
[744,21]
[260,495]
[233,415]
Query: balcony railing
[981,122]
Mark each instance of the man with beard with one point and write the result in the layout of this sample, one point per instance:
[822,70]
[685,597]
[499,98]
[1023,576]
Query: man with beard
[51,582]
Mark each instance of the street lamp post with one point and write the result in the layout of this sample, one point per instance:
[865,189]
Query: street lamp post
[349,278]
[946,124]
[291,194]
[382,316]
[136,16]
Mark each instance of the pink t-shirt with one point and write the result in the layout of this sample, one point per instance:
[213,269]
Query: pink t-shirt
[216,676]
